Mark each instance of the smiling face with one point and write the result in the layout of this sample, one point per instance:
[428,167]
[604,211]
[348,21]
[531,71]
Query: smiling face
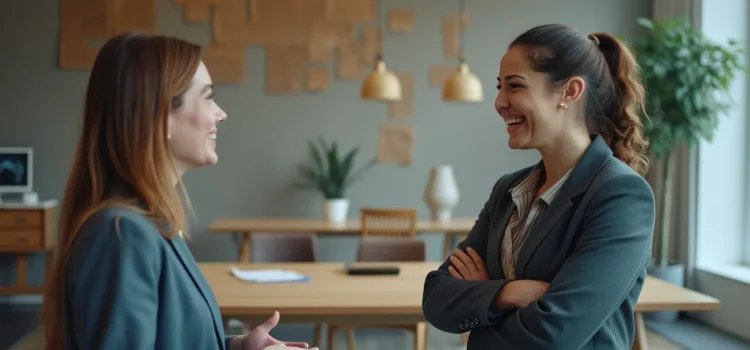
[193,125]
[528,103]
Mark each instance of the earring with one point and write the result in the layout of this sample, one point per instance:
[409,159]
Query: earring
[169,136]
[562,105]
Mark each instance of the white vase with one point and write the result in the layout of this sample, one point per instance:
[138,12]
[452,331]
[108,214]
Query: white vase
[441,193]
[336,210]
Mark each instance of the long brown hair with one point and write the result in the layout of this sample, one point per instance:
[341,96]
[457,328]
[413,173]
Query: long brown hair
[615,96]
[135,82]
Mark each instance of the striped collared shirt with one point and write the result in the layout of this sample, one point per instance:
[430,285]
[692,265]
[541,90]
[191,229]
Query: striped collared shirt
[528,209]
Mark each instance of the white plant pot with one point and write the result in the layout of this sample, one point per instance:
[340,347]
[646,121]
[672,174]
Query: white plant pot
[336,210]
[441,193]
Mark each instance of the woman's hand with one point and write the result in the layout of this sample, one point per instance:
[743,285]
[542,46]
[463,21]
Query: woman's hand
[467,266]
[258,338]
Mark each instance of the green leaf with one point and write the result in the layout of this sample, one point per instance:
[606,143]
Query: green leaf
[688,78]
[317,158]
[645,22]
[331,173]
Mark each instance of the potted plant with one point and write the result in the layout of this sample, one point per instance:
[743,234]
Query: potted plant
[332,173]
[687,78]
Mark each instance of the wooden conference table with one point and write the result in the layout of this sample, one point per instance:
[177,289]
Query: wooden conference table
[246,226]
[333,297]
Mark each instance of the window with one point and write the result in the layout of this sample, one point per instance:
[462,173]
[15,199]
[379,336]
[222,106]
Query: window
[746,112]
[723,193]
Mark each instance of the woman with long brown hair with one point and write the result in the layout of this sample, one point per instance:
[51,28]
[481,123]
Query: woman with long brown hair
[124,277]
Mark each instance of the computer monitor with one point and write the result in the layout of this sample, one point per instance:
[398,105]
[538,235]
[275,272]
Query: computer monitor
[16,169]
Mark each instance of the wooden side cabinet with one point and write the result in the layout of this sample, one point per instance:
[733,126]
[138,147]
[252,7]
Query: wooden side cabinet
[25,230]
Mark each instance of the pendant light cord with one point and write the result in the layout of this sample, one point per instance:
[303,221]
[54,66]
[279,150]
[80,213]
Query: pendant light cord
[381,19]
[461,29]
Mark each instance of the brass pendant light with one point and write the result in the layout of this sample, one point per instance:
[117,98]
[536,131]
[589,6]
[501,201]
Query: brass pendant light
[463,86]
[381,84]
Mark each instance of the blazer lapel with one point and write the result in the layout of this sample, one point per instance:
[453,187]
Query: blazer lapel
[499,222]
[596,155]
[190,265]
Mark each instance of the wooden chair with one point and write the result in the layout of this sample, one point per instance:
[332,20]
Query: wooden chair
[388,235]
[397,222]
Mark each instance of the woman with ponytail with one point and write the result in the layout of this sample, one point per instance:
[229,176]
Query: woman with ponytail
[557,257]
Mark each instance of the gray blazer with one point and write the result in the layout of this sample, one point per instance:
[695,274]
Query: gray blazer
[592,245]
[128,287]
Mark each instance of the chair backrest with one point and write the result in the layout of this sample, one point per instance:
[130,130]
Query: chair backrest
[284,247]
[374,249]
[389,222]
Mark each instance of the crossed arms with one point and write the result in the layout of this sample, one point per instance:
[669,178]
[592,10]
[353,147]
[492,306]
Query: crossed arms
[596,278]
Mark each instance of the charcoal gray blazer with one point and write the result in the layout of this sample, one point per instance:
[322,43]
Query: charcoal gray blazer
[592,245]
[128,287]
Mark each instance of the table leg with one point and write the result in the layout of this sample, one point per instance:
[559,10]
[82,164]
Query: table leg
[22,283]
[640,342]
[22,264]
[49,265]
[448,242]
[244,251]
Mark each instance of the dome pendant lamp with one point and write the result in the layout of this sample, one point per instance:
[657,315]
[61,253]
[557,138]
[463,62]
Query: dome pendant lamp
[463,86]
[381,84]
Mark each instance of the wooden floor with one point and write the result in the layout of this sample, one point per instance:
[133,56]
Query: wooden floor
[368,340]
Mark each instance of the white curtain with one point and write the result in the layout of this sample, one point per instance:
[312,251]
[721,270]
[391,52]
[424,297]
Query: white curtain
[682,245]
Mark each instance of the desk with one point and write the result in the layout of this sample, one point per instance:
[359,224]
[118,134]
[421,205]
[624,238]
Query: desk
[332,297]
[26,229]
[281,225]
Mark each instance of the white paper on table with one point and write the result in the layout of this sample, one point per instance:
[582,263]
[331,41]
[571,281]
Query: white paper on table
[269,276]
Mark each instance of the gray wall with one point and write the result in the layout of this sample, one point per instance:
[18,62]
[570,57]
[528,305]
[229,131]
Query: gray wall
[264,138]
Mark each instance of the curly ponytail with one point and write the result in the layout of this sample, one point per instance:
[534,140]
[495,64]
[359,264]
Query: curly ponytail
[626,139]
[615,96]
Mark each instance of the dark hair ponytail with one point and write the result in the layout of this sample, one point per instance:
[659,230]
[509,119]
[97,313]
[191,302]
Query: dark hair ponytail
[628,142]
[615,96]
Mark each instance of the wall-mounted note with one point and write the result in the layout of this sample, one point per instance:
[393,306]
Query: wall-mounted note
[195,13]
[225,62]
[285,68]
[403,108]
[401,20]
[452,27]
[326,36]
[317,78]
[451,37]
[439,74]
[286,11]
[351,10]
[350,65]
[84,20]
[371,45]
[396,144]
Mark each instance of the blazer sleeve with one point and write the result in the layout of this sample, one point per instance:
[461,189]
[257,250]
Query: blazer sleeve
[596,279]
[114,299]
[453,305]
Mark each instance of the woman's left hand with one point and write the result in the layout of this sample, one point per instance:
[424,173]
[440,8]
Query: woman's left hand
[467,266]
[259,338]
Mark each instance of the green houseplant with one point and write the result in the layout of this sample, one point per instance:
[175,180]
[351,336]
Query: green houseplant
[688,79]
[332,173]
